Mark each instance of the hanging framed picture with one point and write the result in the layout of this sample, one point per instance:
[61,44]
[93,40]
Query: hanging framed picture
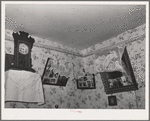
[112,100]
[51,77]
[86,82]
[120,81]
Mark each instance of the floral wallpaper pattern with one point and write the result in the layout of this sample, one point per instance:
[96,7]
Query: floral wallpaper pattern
[47,43]
[120,38]
[70,96]
[136,51]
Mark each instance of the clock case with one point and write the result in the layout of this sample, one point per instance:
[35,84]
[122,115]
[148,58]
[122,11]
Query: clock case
[22,61]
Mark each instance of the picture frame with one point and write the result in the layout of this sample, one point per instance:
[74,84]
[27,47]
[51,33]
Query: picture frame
[112,100]
[49,77]
[86,82]
[125,81]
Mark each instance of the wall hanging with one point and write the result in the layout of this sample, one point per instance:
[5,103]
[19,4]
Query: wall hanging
[86,82]
[108,60]
[120,81]
[22,51]
[54,74]
[112,100]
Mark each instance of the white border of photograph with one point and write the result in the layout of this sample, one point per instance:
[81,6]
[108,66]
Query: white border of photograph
[74,114]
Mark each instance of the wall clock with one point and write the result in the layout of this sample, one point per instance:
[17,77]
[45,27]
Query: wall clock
[22,51]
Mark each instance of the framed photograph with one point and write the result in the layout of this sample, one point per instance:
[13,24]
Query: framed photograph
[51,78]
[86,82]
[112,100]
[116,81]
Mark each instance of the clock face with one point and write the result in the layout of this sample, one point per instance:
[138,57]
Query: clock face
[23,48]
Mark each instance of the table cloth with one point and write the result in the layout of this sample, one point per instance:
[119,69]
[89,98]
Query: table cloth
[23,86]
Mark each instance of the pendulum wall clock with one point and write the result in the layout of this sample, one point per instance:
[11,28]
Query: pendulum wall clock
[22,51]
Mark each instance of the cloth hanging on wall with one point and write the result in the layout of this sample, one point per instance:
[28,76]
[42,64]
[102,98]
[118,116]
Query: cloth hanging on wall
[23,86]
[108,60]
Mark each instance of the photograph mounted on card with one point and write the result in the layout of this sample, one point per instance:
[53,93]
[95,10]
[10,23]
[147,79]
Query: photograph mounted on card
[52,76]
[120,81]
[86,82]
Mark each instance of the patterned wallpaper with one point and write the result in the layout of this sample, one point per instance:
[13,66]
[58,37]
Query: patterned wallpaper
[70,96]
[119,38]
[64,97]
[48,43]
[136,51]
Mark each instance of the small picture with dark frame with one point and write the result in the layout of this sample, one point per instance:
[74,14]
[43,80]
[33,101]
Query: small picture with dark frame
[112,100]
[86,82]
[51,78]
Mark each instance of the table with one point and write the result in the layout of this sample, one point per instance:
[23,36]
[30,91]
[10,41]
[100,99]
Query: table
[24,86]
